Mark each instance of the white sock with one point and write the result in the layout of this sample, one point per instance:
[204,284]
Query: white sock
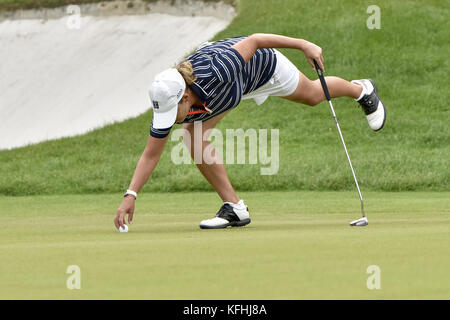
[364,89]
[363,93]
[238,206]
[367,87]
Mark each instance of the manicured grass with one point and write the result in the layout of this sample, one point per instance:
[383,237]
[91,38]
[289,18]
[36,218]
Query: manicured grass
[298,246]
[407,58]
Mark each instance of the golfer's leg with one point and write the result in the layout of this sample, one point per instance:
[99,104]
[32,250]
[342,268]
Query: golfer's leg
[212,167]
[311,93]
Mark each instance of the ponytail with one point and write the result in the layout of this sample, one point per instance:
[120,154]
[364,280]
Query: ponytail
[186,69]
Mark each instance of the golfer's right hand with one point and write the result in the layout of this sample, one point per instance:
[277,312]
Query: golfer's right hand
[313,52]
[127,207]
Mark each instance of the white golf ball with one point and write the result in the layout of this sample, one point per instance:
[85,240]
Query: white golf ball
[124,229]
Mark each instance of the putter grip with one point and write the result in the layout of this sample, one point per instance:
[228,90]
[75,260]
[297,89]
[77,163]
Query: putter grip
[322,80]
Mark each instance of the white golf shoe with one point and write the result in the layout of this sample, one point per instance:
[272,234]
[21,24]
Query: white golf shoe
[228,216]
[371,104]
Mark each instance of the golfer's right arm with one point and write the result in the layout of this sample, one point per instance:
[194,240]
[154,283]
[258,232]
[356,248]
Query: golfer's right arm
[146,164]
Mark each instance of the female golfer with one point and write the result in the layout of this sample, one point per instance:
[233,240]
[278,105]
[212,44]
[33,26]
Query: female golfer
[210,83]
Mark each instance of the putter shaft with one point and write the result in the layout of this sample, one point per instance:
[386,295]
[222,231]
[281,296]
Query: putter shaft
[328,97]
[348,158]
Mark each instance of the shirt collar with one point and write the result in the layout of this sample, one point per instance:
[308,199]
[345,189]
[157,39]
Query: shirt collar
[201,94]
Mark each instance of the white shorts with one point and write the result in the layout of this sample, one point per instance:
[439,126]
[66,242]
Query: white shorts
[283,82]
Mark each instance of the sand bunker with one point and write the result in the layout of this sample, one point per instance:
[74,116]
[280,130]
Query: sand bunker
[57,80]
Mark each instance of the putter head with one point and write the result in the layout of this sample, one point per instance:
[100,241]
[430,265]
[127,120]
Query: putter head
[360,222]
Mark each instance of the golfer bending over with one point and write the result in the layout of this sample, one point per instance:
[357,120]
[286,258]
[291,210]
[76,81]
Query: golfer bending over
[210,83]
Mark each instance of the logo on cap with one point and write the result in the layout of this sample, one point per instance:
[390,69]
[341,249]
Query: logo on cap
[179,93]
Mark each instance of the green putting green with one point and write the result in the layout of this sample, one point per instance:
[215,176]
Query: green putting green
[298,246]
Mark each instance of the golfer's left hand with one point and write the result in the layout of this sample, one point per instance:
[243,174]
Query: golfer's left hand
[311,52]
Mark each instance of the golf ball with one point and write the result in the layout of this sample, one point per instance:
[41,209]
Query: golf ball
[124,229]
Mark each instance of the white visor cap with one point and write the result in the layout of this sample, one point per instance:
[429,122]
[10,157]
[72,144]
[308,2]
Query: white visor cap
[165,93]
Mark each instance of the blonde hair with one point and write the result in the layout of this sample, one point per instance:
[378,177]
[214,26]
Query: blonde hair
[186,69]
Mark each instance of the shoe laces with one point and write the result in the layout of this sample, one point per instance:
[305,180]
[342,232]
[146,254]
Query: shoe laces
[223,210]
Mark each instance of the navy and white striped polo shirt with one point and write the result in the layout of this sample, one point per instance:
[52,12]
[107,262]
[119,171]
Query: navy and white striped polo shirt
[223,77]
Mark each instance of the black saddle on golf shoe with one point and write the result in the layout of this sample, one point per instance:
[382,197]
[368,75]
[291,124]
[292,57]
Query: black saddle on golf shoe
[227,216]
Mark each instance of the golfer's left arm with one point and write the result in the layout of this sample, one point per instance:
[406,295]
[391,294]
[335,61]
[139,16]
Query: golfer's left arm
[249,45]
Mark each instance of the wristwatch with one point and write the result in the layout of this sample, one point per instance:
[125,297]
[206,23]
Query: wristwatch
[134,194]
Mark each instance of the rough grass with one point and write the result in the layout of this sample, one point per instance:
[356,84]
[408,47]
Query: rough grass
[11,5]
[407,57]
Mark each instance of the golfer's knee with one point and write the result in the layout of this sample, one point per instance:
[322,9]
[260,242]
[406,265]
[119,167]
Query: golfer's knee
[314,101]
[315,94]
[310,93]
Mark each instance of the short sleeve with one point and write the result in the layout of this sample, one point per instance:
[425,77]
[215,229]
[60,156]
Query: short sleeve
[228,64]
[159,133]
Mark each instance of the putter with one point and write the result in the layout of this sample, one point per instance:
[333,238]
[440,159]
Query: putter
[362,221]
